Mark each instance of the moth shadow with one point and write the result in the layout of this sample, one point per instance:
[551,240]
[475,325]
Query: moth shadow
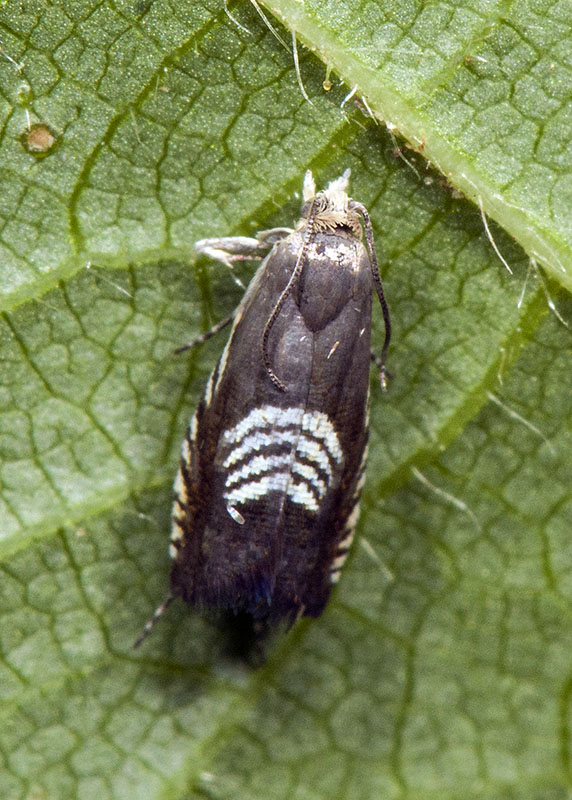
[245,640]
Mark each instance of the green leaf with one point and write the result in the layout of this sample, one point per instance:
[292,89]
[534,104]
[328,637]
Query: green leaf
[481,88]
[441,667]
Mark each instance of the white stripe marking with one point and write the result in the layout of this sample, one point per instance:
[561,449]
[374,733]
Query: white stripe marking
[312,451]
[224,356]
[256,466]
[313,422]
[297,435]
[277,482]
[208,395]
[359,485]
[256,442]
[311,476]
[308,448]
[264,417]
[320,426]
[299,494]
[338,562]
[179,486]
[176,534]
[259,464]
[350,526]
[193,437]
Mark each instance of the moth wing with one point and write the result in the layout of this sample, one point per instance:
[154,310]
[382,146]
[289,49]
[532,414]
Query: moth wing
[234,475]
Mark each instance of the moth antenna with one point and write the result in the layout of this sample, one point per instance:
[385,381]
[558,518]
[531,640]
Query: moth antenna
[287,290]
[378,288]
[150,624]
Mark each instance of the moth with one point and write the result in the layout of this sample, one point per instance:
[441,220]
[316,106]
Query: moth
[272,465]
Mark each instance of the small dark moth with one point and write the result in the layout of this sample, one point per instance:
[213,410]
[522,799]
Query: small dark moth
[267,495]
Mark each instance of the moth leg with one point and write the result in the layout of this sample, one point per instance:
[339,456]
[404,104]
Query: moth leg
[204,337]
[374,358]
[227,249]
[269,238]
[378,361]
[150,624]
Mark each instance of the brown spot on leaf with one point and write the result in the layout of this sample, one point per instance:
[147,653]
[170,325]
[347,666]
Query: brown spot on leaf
[39,140]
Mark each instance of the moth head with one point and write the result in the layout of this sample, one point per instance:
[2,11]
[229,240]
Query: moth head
[330,209]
